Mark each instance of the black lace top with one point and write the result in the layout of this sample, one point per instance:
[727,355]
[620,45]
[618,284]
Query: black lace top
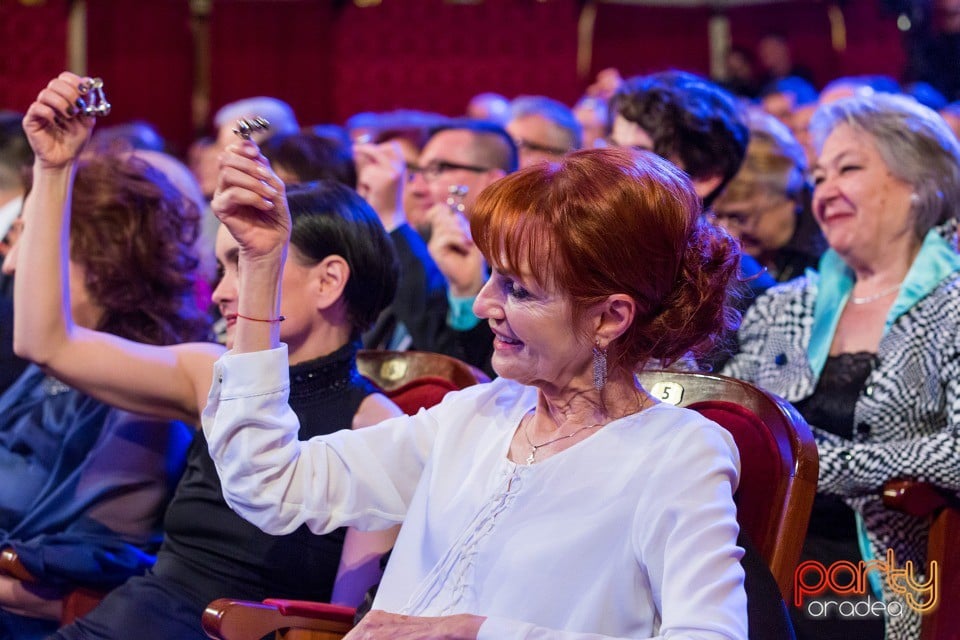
[831,408]
[212,552]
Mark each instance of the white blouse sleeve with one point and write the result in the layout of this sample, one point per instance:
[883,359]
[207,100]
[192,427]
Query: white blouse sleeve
[363,478]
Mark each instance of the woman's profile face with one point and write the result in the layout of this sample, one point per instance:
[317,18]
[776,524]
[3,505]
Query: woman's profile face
[535,342]
[85,310]
[296,305]
[860,205]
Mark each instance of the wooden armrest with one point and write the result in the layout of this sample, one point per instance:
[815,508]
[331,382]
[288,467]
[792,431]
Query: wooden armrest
[10,565]
[227,619]
[311,609]
[919,499]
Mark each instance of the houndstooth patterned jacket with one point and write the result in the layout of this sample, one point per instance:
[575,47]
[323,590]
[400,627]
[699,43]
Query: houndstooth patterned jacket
[906,418]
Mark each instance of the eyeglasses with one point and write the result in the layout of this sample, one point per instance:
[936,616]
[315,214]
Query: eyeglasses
[748,212]
[437,168]
[526,145]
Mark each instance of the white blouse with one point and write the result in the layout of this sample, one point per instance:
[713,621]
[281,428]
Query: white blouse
[629,533]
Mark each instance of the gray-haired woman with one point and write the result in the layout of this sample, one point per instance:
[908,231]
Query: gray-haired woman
[869,350]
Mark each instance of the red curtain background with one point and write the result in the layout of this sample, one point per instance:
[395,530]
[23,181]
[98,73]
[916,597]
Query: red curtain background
[330,59]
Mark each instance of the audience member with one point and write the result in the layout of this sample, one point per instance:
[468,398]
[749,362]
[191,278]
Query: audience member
[277,112]
[782,97]
[334,133]
[185,182]
[83,486]
[740,77]
[951,114]
[341,273]
[767,204]
[776,60]
[799,123]
[202,160]
[417,317]
[848,86]
[607,83]
[543,129]
[305,157]
[459,153]
[131,135]
[867,350]
[697,126]
[685,119]
[16,159]
[594,118]
[926,94]
[461,158]
[361,127]
[490,107]
[565,456]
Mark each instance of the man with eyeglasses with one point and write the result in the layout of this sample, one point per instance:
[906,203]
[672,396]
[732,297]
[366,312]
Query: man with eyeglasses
[543,129]
[467,153]
[464,154]
[460,159]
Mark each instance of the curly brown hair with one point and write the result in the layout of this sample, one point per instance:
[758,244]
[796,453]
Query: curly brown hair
[134,233]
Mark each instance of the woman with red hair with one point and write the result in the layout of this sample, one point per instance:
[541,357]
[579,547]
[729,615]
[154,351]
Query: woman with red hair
[560,500]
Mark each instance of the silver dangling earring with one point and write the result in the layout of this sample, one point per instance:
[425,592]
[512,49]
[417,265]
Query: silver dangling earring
[599,366]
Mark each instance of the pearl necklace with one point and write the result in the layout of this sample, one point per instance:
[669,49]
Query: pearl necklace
[875,296]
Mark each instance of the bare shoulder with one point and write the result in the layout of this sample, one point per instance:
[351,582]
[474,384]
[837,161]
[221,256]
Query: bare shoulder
[196,360]
[374,409]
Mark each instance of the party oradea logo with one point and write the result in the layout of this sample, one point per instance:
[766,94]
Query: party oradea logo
[814,583]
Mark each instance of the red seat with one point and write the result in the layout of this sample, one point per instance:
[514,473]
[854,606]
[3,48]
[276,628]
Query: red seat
[416,379]
[942,508]
[778,459]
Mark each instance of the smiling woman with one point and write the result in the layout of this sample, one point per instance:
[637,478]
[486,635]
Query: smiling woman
[868,350]
[565,456]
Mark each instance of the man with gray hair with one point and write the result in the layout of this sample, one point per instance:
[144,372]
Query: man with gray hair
[543,129]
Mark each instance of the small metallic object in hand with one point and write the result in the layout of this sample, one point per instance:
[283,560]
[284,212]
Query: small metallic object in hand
[455,199]
[94,101]
[246,127]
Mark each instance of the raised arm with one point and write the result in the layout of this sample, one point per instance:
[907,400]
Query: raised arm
[165,381]
[251,202]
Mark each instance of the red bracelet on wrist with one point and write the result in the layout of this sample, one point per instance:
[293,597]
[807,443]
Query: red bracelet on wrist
[277,319]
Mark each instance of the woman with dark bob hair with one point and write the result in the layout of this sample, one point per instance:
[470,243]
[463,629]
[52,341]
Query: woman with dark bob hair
[83,486]
[341,274]
[560,500]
